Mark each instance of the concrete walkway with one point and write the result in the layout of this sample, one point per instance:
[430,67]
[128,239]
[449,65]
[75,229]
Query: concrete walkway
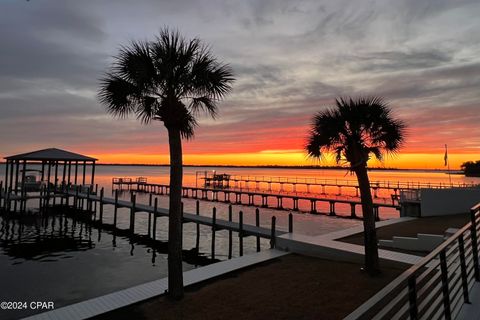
[471,311]
[119,299]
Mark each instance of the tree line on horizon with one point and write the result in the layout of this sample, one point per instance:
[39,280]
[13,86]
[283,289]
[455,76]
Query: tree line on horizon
[471,168]
[172,80]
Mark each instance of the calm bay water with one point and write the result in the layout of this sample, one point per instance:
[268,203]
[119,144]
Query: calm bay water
[60,259]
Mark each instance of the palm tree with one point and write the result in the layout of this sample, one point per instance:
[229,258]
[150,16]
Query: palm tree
[353,130]
[170,80]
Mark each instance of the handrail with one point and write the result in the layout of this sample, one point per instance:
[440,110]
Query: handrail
[408,278]
[345,183]
[476,207]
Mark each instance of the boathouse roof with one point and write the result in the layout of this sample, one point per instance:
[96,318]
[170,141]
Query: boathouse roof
[51,154]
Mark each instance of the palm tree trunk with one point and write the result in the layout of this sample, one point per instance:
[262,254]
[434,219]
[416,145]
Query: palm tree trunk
[370,235]
[175,272]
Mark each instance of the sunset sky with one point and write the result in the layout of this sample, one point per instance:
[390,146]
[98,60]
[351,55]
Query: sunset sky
[290,58]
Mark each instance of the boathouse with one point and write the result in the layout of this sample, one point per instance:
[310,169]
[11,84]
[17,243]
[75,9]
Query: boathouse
[48,168]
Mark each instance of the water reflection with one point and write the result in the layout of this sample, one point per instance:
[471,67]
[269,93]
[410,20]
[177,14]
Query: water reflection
[56,234]
[44,238]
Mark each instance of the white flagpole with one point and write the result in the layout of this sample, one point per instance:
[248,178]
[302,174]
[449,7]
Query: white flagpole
[447,161]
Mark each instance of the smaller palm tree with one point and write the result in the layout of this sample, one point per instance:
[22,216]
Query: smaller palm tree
[353,130]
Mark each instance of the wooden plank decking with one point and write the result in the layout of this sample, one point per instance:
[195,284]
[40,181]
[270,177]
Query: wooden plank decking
[220,224]
[145,187]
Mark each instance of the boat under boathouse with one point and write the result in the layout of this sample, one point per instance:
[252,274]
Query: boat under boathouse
[27,174]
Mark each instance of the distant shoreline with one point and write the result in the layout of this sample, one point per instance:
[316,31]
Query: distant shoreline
[308,167]
[278,167]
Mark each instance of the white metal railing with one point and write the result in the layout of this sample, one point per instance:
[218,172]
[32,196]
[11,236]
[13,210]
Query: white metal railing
[434,288]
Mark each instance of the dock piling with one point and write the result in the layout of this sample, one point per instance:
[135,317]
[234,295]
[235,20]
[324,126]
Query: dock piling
[375,212]
[89,203]
[257,224]
[290,222]
[240,233]
[230,233]
[353,215]
[132,213]
[101,205]
[115,209]
[197,212]
[332,208]
[214,221]
[155,210]
[272,235]
[75,200]
[313,207]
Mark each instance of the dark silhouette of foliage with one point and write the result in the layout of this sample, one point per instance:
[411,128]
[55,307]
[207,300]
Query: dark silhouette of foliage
[353,130]
[471,168]
[170,80]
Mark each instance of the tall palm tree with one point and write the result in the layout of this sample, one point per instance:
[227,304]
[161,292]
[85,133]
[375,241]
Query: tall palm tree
[353,130]
[170,80]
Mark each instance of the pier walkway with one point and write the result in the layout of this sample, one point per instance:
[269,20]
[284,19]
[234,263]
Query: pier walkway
[217,224]
[227,181]
[254,198]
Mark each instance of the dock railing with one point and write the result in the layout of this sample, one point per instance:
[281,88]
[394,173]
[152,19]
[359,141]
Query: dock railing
[343,182]
[121,180]
[434,288]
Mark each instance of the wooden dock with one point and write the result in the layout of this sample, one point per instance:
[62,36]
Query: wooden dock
[255,198]
[219,224]
[11,199]
[236,181]
[88,201]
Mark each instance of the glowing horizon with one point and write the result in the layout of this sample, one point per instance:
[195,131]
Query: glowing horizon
[277,158]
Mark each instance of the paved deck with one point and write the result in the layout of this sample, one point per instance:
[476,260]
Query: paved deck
[96,306]
[326,245]
[358,229]
[471,311]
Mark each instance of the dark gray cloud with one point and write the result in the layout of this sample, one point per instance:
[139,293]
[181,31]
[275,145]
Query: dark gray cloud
[41,40]
[290,59]
[389,61]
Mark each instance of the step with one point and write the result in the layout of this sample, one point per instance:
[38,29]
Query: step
[423,242]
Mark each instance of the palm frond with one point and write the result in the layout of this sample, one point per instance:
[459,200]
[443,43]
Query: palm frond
[355,128]
[147,110]
[376,151]
[187,128]
[205,104]
[314,146]
[134,64]
[209,77]
[118,95]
